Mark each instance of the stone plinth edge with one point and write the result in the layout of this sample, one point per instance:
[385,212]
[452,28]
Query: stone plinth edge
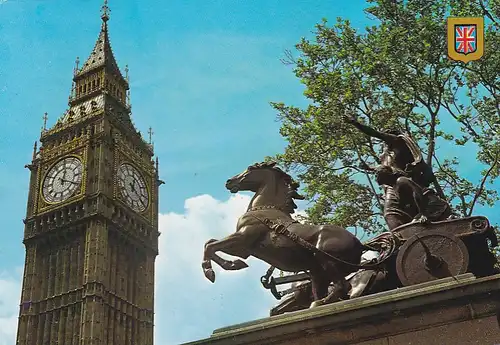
[430,304]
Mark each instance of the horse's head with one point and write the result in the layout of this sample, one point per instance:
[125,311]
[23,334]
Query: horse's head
[253,177]
[260,174]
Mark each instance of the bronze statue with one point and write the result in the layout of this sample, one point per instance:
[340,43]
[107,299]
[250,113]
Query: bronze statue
[363,282]
[403,155]
[400,153]
[268,232]
[330,257]
[300,298]
[414,202]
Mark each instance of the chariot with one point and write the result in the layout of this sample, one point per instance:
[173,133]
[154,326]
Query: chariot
[418,253]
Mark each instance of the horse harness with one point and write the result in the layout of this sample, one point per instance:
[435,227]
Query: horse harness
[280,227]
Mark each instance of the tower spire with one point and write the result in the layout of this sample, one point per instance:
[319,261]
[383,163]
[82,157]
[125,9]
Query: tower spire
[101,55]
[105,12]
[98,83]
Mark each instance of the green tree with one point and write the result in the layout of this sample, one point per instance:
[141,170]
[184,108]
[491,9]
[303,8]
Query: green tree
[395,73]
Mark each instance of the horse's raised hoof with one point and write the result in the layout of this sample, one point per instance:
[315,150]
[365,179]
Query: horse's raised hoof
[209,274]
[238,265]
[206,264]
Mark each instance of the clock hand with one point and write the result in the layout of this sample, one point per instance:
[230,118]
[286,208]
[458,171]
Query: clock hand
[132,187]
[64,180]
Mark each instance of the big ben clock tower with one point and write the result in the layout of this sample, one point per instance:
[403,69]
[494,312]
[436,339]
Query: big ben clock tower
[91,229]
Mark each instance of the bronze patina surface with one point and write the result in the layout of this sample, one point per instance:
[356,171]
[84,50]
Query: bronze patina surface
[268,232]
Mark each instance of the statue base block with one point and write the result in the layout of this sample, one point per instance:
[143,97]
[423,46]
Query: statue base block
[464,311]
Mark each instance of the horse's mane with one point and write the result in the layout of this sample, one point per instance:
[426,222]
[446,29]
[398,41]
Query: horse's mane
[293,185]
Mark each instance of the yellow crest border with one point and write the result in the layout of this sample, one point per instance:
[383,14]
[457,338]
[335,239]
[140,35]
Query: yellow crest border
[452,53]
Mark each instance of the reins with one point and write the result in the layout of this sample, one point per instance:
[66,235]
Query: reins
[282,229]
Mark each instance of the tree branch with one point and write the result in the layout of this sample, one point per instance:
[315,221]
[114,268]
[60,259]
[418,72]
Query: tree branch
[487,13]
[372,187]
[288,59]
[481,186]
[432,139]
[358,169]
[463,203]
[468,126]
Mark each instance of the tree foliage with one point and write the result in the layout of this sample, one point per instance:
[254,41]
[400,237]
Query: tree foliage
[395,73]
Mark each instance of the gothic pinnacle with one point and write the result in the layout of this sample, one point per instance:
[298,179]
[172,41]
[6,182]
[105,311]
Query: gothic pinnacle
[150,132]
[45,118]
[105,12]
[34,150]
[77,62]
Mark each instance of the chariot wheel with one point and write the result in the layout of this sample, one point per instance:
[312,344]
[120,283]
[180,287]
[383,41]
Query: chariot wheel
[431,255]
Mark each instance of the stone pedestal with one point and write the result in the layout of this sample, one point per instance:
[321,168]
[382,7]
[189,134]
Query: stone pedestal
[459,311]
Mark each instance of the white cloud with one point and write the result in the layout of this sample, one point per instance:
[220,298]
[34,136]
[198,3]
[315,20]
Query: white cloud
[204,218]
[188,306]
[10,292]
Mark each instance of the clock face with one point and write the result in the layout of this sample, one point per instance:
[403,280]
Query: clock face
[62,180]
[133,187]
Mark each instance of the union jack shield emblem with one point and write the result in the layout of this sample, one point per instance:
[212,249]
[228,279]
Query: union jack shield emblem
[465,38]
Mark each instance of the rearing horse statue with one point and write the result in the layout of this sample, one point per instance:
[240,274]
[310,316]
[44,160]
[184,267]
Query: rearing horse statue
[272,204]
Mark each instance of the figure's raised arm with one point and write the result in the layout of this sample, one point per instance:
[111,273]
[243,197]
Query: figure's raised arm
[386,137]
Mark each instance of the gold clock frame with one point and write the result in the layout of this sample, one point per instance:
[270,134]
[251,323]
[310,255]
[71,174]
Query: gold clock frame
[117,193]
[125,153]
[77,151]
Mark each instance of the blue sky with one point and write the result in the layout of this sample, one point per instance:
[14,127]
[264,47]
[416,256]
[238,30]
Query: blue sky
[202,75]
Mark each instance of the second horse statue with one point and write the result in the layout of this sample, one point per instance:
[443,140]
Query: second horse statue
[268,232]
